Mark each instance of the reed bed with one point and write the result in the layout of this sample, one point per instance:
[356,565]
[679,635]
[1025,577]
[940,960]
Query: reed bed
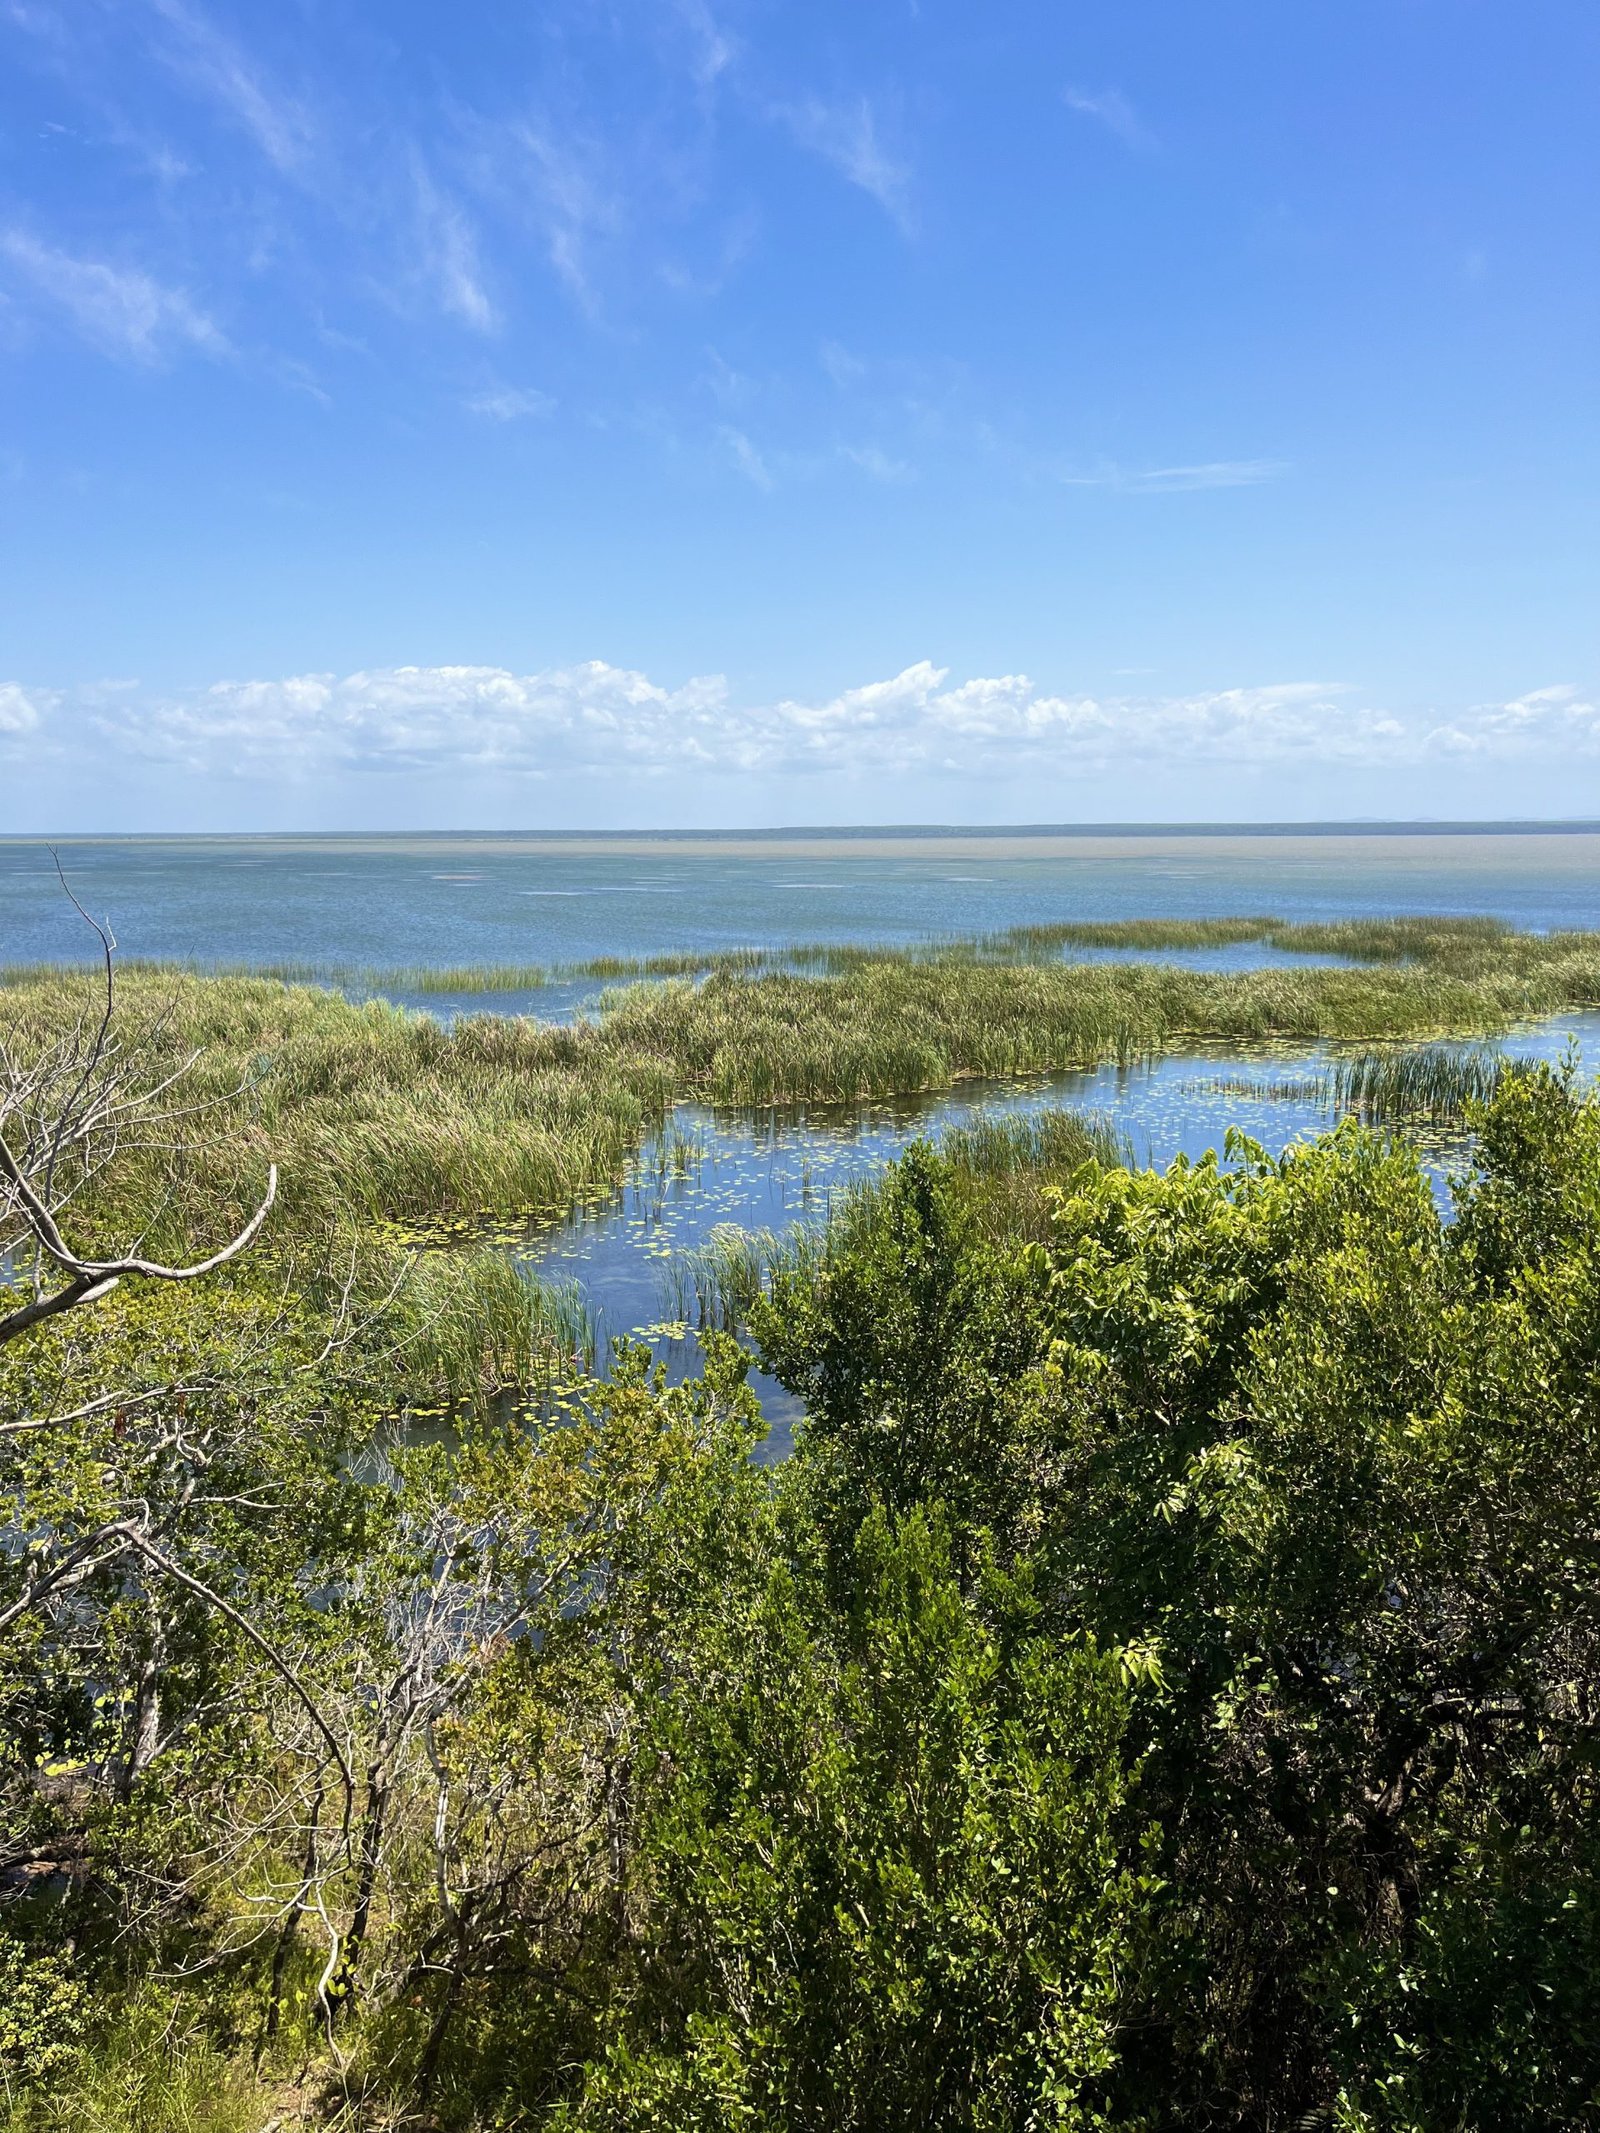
[374,1113]
[715,1283]
[455,978]
[898,1024]
[473,1325]
[1057,1140]
[1002,1166]
[1436,1083]
[1439,1083]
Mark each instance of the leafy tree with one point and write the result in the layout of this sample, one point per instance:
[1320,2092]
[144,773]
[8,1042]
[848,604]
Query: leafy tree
[1329,1462]
[880,1862]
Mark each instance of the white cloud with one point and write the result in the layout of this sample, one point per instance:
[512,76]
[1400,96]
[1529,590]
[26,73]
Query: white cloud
[1158,481]
[119,309]
[1553,721]
[871,459]
[746,458]
[448,247]
[575,202]
[713,49]
[280,127]
[20,712]
[843,367]
[846,135]
[510,403]
[1112,110]
[598,718]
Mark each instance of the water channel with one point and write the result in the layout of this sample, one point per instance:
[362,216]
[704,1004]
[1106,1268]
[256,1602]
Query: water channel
[629,1253]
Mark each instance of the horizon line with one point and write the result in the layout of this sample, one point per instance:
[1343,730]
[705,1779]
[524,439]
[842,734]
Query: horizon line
[1335,826]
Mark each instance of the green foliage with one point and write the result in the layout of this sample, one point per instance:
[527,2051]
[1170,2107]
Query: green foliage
[150,2068]
[881,1867]
[1324,1467]
[41,2015]
[1159,1692]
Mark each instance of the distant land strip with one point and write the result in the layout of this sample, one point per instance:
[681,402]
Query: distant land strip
[833,833]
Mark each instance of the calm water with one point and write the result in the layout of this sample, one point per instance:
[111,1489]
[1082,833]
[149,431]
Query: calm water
[775,1170]
[336,902]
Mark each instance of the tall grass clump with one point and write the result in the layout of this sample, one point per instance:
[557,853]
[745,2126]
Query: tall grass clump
[465,1326]
[152,2068]
[1438,1082]
[1005,1170]
[1054,1139]
[451,978]
[715,1283]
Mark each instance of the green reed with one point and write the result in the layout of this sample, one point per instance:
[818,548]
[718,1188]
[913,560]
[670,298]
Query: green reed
[374,1113]
[1438,1082]
[477,1323]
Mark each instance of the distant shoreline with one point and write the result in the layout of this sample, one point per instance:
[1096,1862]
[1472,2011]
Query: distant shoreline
[1575,842]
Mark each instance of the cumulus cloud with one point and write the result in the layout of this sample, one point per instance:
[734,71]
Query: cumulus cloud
[119,309]
[1557,720]
[598,718]
[20,712]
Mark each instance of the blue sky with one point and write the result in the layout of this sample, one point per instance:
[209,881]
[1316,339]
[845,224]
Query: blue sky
[739,411]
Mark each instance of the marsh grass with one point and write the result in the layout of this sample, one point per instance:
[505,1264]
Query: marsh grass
[900,1024]
[1439,1083]
[378,1114]
[1435,1083]
[1002,1166]
[715,1283]
[467,1326]
[1006,1169]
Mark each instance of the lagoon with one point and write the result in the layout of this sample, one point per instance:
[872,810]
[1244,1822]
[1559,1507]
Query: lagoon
[343,904]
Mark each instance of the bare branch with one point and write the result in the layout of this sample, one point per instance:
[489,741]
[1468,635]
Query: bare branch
[247,1628]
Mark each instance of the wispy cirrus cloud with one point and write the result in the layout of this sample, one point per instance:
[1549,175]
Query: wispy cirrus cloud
[846,134]
[448,253]
[1111,109]
[1204,474]
[713,49]
[120,310]
[749,461]
[873,460]
[575,197]
[596,717]
[509,403]
[220,70]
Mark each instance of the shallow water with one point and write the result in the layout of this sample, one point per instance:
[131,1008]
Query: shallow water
[382,902]
[337,903]
[777,1169]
